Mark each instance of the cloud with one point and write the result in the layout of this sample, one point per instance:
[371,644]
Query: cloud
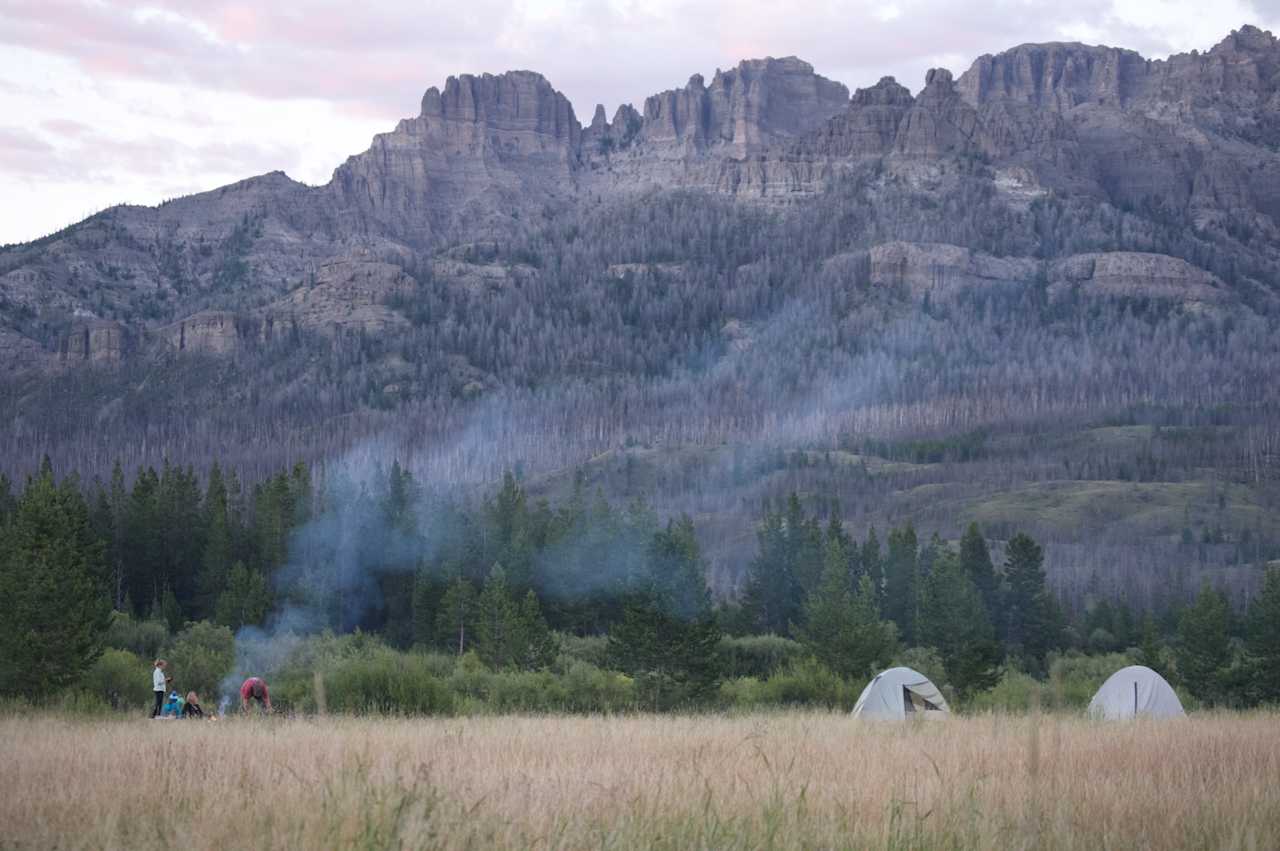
[380,60]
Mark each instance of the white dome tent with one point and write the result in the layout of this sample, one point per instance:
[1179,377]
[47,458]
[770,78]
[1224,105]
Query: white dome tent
[899,694]
[1135,691]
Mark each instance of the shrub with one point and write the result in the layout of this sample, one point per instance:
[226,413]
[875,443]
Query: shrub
[1074,678]
[386,680]
[143,638]
[200,657]
[590,689]
[1014,693]
[757,655]
[120,679]
[592,649]
[923,659]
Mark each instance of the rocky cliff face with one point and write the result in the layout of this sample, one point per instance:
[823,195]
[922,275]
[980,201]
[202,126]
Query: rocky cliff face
[481,143]
[1129,158]
[744,110]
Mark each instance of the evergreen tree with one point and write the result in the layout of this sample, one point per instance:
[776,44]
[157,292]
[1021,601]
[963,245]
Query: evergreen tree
[216,561]
[953,621]
[143,547]
[1032,621]
[1264,637]
[668,637]
[455,622]
[535,646]
[246,600]
[171,611]
[871,564]
[52,581]
[901,587]
[1203,652]
[975,559]
[773,594]
[803,547]
[1151,649]
[842,628]
[392,556]
[118,497]
[495,634]
[7,500]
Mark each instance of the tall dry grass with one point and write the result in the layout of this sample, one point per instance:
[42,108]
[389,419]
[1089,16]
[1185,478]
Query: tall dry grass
[769,781]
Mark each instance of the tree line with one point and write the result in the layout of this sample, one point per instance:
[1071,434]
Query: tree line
[508,580]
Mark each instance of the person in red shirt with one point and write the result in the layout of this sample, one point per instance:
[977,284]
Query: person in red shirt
[254,689]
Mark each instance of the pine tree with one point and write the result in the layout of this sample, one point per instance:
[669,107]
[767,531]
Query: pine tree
[901,586]
[871,564]
[1151,649]
[143,547]
[953,621]
[535,646]
[668,637]
[246,600]
[975,559]
[773,594]
[455,621]
[1264,637]
[1203,653]
[53,584]
[1032,620]
[842,628]
[215,563]
[496,621]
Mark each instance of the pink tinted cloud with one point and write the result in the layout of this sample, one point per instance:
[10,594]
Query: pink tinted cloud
[379,57]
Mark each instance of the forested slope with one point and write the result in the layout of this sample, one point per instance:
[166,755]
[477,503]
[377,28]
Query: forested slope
[1043,295]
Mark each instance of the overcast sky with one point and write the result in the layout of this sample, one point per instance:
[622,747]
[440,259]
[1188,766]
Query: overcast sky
[110,101]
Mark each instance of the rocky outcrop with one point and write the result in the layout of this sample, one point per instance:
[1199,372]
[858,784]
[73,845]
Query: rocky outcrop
[760,102]
[216,332]
[1129,274]
[346,294]
[916,269]
[1054,76]
[99,341]
[1241,70]
[483,142]
[940,271]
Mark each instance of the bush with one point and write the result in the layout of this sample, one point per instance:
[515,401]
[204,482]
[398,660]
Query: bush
[809,682]
[591,649]
[386,680]
[142,638]
[200,657]
[757,656]
[119,679]
[590,689]
[805,682]
[1015,692]
[1075,678]
[923,659]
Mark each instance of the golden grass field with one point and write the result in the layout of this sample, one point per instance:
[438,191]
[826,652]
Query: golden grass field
[786,780]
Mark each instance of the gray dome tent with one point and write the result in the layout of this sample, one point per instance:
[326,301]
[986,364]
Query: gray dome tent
[901,693]
[1133,691]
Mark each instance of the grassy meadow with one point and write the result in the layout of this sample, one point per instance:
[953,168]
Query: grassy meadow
[771,780]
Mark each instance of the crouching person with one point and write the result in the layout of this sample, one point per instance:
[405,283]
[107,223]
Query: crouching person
[255,689]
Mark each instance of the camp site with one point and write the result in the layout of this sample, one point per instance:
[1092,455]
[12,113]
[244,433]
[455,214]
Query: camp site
[605,425]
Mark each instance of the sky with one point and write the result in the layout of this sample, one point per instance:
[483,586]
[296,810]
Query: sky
[128,101]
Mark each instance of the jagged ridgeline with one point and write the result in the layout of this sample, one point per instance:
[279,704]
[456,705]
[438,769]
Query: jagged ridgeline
[1043,294]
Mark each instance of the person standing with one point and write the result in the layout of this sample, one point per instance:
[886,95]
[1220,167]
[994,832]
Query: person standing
[157,686]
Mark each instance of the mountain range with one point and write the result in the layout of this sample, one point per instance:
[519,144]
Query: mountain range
[993,271]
